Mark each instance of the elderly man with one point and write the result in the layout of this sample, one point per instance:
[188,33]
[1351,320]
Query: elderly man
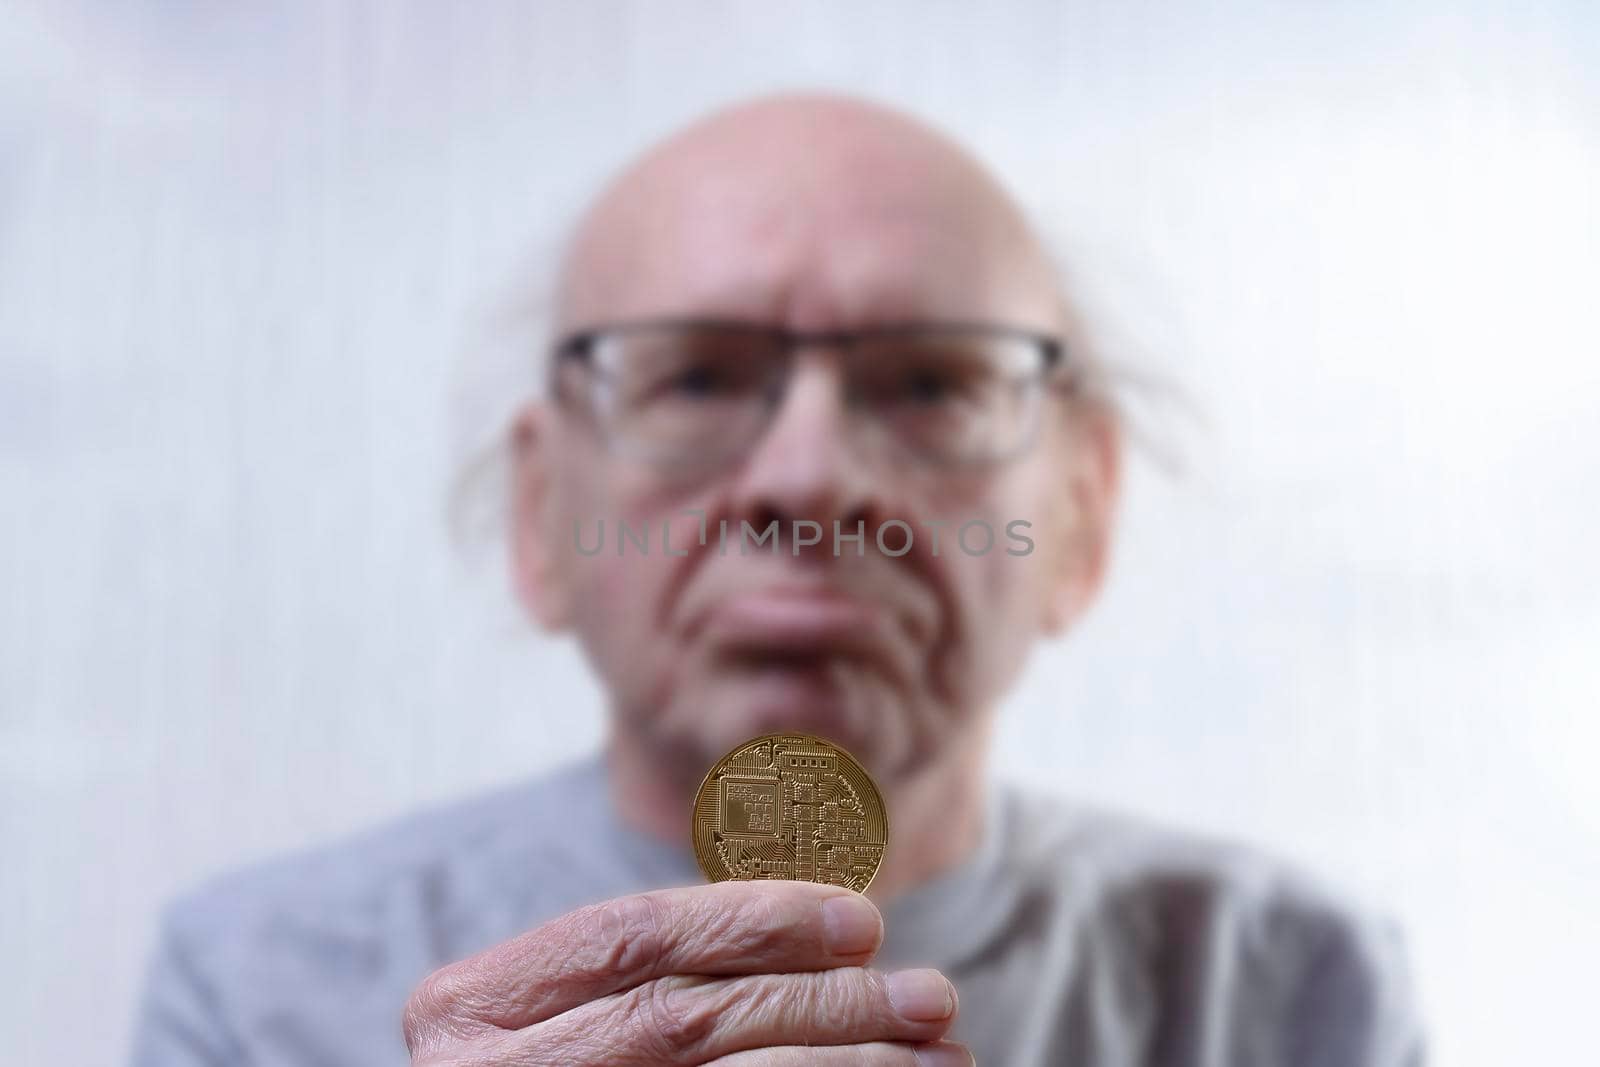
[821,452]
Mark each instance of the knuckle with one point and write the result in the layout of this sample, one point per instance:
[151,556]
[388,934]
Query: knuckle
[677,1016]
[434,1008]
[854,993]
[631,933]
[802,999]
[755,929]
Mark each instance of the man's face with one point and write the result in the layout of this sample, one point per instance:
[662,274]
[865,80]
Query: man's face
[812,223]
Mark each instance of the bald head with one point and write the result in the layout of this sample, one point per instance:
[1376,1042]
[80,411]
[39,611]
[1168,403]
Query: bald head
[814,212]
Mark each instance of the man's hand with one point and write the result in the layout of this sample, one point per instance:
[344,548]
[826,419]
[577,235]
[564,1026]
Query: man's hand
[741,974]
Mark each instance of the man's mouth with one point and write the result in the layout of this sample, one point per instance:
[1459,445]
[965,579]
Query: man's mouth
[801,621]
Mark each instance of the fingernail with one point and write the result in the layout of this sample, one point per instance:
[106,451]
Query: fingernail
[944,1054]
[922,995]
[851,924]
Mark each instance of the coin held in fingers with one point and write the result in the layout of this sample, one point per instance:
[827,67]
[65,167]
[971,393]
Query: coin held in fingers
[790,806]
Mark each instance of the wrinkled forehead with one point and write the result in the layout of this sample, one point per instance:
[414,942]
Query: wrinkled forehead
[810,224]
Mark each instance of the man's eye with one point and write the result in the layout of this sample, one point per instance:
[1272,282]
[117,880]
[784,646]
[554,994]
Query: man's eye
[700,380]
[704,380]
[928,387]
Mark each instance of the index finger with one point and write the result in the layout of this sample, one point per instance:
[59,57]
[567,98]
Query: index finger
[728,928]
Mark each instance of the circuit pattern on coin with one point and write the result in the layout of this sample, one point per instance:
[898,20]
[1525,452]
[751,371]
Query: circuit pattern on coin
[790,806]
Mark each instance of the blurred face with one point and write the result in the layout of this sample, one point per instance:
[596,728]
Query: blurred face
[811,217]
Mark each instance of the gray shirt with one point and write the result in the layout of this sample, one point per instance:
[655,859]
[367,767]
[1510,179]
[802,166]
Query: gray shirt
[1073,936]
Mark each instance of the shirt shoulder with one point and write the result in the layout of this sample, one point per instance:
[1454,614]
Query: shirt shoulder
[318,949]
[1236,944]
[1114,859]
[403,897]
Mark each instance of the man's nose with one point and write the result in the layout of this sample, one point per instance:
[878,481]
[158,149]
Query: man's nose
[808,464]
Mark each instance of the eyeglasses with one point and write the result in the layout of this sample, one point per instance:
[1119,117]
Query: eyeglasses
[696,394]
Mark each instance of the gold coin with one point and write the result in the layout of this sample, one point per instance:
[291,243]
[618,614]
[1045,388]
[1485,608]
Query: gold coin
[790,806]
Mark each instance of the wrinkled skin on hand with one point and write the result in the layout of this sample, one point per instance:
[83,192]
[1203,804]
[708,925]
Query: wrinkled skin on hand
[739,974]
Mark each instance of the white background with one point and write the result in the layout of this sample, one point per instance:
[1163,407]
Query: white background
[249,271]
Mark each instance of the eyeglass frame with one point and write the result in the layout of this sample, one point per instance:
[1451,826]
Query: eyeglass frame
[579,346]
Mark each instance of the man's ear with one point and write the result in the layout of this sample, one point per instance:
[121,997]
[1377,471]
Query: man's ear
[541,585]
[1088,517]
